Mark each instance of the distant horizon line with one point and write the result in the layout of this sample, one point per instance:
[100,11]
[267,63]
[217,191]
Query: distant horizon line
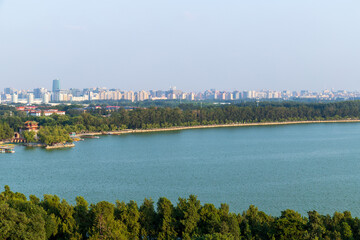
[203,90]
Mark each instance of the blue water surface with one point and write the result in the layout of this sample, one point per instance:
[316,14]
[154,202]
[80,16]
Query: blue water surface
[302,167]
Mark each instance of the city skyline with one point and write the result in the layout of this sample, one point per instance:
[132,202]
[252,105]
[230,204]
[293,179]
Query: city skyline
[58,95]
[49,86]
[68,85]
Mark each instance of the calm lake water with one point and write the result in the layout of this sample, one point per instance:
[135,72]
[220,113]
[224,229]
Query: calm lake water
[301,167]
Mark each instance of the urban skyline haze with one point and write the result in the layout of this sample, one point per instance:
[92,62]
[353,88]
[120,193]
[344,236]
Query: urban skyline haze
[195,45]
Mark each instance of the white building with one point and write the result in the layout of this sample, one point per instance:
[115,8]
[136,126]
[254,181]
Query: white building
[14,98]
[30,98]
[46,98]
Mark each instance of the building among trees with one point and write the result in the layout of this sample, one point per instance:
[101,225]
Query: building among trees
[31,126]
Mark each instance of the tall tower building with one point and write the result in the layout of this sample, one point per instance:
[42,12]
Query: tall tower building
[14,98]
[9,90]
[56,85]
[30,98]
[46,98]
[39,92]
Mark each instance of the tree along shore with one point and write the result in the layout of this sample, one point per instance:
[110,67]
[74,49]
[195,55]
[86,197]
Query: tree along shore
[52,218]
[94,120]
[185,115]
[126,131]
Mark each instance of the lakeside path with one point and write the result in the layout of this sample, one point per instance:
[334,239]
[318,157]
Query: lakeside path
[126,131]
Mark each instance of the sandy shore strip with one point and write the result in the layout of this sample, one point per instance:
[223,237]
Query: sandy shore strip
[126,131]
[60,145]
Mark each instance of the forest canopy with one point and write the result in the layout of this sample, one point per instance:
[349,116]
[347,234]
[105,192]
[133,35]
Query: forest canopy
[53,134]
[97,120]
[6,132]
[53,218]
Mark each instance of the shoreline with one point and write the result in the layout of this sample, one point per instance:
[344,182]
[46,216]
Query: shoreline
[57,146]
[126,131]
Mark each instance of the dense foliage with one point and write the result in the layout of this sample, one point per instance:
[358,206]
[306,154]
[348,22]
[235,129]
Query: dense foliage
[76,120]
[52,135]
[52,218]
[5,131]
[29,136]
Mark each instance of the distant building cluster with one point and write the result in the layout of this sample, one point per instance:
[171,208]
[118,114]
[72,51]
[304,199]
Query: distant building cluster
[35,112]
[44,96]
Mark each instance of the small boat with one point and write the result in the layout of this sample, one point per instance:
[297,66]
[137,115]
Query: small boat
[77,139]
[7,149]
[90,136]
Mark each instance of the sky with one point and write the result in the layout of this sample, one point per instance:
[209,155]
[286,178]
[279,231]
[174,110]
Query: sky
[191,44]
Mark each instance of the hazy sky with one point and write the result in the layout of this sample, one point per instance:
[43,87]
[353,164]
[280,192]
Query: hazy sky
[191,44]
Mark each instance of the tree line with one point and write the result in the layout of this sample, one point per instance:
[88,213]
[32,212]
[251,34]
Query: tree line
[52,218]
[6,132]
[95,120]
[51,135]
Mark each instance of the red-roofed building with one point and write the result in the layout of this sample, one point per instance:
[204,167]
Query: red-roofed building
[31,126]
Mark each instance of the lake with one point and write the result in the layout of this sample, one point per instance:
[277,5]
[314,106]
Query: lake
[301,167]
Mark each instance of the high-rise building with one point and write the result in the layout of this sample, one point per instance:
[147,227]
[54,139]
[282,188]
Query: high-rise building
[39,92]
[173,90]
[129,96]
[56,85]
[14,98]
[9,91]
[142,95]
[59,96]
[236,95]
[229,96]
[30,98]
[75,92]
[191,96]
[46,98]
[245,94]
[159,93]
